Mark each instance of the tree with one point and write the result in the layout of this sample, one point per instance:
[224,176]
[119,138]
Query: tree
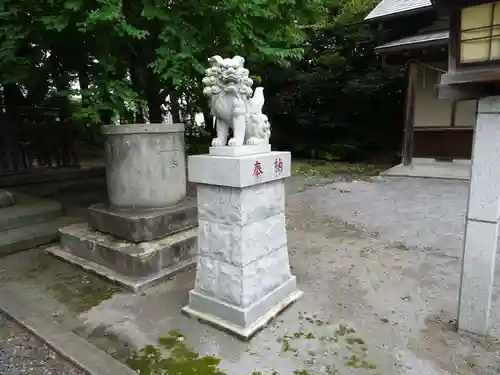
[124,51]
[323,106]
[315,58]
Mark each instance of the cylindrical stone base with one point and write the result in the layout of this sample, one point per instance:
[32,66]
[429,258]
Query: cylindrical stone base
[145,165]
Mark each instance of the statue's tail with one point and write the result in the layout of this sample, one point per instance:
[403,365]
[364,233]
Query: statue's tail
[264,129]
[258,99]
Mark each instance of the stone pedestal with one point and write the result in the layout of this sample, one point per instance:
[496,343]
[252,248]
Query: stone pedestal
[243,276]
[482,221]
[147,231]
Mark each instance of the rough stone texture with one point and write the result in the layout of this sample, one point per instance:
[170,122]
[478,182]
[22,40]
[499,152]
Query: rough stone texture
[243,254]
[127,258]
[6,198]
[145,225]
[241,245]
[242,286]
[145,165]
[482,222]
[239,171]
[226,205]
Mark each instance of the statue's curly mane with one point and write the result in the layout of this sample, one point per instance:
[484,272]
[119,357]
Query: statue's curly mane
[226,76]
[234,104]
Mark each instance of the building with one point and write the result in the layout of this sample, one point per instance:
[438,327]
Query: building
[435,130]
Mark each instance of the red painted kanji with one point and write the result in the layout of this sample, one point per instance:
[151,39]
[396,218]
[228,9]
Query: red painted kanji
[257,169]
[278,165]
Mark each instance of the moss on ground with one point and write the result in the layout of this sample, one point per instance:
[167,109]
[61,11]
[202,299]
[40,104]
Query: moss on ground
[173,356]
[81,292]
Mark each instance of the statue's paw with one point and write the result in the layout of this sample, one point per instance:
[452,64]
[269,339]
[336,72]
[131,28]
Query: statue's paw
[216,142]
[254,141]
[233,142]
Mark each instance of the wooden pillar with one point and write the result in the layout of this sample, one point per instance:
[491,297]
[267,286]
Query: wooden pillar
[409,114]
[482,221]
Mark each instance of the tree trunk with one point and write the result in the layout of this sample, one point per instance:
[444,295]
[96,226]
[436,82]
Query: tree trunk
[12,95]
[84,80]
[174,107]
[64,101]
[106,116]
[208,118]
[154,106]
[152,90]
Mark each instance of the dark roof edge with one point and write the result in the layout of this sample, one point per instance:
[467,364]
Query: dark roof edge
[411,46]
[386,17]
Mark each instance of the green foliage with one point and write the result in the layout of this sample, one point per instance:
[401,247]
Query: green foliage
[337,103]
[125,51]
[322,79]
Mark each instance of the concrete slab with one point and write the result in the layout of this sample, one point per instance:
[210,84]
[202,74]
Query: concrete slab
[146,225]
[29,210]
[29,236]
[429,168]
[68,345]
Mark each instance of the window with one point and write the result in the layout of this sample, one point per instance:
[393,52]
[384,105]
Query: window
[480,33]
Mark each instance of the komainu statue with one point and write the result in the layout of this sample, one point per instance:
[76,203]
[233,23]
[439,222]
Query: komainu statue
[229,89]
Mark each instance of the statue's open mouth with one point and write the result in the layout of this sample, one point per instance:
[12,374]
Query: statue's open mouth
[230,78]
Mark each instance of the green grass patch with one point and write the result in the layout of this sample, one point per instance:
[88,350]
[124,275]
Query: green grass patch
[327,169]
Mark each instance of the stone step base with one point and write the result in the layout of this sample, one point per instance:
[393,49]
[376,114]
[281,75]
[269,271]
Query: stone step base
[144,225]
[31,236]
[244,323]
[135,266]
[133,284]
[27,211]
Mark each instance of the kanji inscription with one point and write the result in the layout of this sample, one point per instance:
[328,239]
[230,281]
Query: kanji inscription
[278,165]
[257,169]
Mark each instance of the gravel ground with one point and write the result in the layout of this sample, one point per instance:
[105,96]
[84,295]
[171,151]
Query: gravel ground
[22,353]
[425,214]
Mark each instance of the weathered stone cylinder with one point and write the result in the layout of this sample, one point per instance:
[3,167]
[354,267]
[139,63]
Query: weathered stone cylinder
[145,165]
